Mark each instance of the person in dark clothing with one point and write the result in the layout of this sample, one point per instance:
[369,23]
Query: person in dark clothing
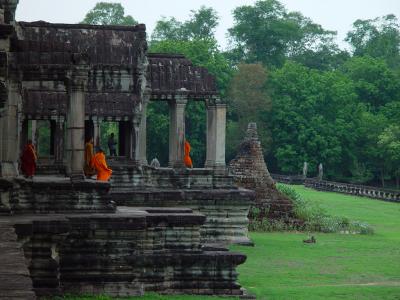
[112,145]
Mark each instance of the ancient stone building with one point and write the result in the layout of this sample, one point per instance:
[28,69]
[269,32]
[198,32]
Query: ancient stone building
[251,172]
[150,229]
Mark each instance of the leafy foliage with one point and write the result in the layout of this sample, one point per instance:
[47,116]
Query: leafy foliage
[105,13]
[200,26]
[268,33]
[379,38]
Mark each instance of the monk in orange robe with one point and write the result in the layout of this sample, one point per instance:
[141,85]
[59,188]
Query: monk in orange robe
[99,164]
[187,160]
[28,160]
[87,168]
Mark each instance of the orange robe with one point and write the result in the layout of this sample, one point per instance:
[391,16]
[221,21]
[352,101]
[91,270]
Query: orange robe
[187,160]
[87,168]
[99,163]
[28,160]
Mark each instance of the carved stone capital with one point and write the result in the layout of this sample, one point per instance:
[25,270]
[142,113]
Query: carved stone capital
[77,78]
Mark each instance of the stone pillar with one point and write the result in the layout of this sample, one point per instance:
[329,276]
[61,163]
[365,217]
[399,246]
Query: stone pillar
[34,132]
[59,140]
[177,132]
[77,80]
[142,155]
[9,136]
[216,127]
[9,7]
[134,141]
[97,132]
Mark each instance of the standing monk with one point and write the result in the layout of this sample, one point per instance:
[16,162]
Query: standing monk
[28,160]
[99,163]
[187,160]
[87,168]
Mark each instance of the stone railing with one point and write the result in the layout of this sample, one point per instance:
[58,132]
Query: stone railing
[288,179]
[353,189]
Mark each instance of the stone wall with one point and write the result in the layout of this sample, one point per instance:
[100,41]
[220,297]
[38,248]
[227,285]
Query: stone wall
[225,206]
[127,253]
[225,210]
[288,179]
[353,189]
[48,195]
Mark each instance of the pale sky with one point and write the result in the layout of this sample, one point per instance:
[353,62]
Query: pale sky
[337,15]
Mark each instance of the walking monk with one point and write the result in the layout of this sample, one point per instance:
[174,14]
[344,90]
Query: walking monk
[87,168]
[99,164]
[187,160]
[28,160]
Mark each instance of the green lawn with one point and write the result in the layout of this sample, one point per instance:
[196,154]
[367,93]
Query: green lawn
[338,266]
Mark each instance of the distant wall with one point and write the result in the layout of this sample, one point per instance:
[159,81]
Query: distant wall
[340,187]
[353,189]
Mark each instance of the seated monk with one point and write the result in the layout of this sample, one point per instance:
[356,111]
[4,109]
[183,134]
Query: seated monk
[187,160]
[28,160]
[99,164]
[87,168]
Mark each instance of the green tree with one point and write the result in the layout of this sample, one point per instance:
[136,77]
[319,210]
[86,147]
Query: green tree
[314,116]
[379,38]
[200,26]
[266,32]
[389,145]
[376,84]
[158,131]
[105,13]
[248,101]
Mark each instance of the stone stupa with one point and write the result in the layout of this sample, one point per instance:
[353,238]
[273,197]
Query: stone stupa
[251,172]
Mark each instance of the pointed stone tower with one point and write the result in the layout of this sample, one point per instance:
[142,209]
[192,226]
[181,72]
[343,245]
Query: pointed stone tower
[251,172]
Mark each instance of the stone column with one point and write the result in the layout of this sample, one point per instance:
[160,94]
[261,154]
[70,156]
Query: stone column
[216,127]
[134,141]
[9,136]
[97,132]
[9,7]
[34,132]
[59,140]
[142,155]
[177,132]
[77,80]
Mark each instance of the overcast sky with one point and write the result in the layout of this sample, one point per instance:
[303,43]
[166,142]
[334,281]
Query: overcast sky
[337,15]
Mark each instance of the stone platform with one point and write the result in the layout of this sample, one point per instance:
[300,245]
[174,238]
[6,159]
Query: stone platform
[54,194]
[225,206]
[122,254]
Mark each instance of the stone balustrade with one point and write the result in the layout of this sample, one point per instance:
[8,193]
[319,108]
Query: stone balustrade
[288,179]
[353,189]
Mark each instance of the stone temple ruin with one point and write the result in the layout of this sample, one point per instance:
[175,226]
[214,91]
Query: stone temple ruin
[251,172]
[150,229]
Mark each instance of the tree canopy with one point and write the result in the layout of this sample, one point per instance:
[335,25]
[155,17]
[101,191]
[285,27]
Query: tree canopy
[105,13]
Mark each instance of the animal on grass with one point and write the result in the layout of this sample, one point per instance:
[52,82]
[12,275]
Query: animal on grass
[311,240]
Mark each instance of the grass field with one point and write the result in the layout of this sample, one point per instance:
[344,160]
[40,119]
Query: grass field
[338,266]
